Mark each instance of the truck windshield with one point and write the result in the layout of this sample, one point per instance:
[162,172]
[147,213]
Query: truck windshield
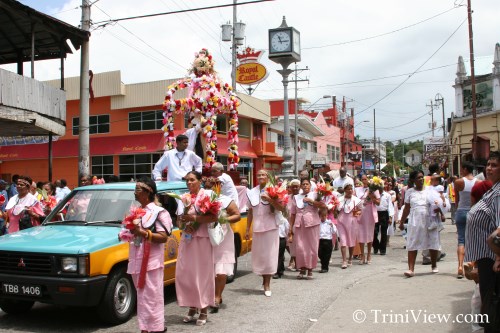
[92,206]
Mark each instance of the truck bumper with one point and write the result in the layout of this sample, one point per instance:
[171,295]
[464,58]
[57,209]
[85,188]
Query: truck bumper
[83,291]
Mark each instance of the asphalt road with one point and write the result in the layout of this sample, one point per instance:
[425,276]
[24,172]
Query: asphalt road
[325,304]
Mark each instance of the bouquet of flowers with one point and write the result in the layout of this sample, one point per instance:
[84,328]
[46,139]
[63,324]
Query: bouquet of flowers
[375,184]
[276,191]
[187,201]
[323,189]
[130,222]
[333,204]
[2,199]
[209,204]
[49,203]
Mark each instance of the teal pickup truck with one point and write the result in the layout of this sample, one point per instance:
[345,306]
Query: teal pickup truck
[75,258]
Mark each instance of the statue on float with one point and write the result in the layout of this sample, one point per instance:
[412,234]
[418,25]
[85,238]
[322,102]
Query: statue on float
[207,98]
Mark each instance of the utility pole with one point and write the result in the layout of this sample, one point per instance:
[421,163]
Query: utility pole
[83,125]
[432,116]
[234,47]
[441,100]
[375,140]
[472,82]
[296,141]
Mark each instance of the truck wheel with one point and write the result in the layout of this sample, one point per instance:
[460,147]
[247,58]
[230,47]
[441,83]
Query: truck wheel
[14,307]
[119,299]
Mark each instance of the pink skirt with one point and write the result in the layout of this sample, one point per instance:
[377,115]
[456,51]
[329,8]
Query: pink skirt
[306,251]
[347,227]
[150,307]
[194,273]
[366,228]
[265,250]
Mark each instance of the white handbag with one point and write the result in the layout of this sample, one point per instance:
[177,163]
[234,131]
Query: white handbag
[279,218]
[215,233]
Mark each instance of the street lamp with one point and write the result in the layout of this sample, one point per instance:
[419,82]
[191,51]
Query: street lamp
[319,99]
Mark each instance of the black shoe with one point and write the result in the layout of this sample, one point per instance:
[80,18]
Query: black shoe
[442,256]
[276,276]
[382,253]
[375,251]
[323,271]
[426,262]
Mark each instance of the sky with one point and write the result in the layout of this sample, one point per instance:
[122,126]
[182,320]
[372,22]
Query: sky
[393,56]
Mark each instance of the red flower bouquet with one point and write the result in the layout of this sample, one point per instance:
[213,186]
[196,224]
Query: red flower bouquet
[323,189]
[130,222]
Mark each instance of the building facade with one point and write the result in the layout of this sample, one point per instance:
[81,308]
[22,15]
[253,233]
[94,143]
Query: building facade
[125,133]
[487,113]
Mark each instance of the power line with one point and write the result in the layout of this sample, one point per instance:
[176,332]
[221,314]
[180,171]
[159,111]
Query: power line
[380,35]
[409,76]
[179,11]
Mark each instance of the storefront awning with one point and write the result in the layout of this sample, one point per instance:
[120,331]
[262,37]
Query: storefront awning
[117,145]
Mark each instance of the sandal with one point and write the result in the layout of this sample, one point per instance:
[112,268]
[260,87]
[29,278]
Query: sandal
[460,274]
[349,263]
[344,265]
[409,274]
[201,322]
[190,317]
[369,259]
[362,260]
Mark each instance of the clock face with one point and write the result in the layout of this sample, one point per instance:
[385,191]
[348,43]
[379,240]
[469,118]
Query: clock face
[280,41]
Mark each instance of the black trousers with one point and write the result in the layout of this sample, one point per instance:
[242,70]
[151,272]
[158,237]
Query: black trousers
[487,280]
[325,252]
[281,257]
[381,225]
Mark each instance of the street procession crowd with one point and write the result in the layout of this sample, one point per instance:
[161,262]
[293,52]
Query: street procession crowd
[307,217]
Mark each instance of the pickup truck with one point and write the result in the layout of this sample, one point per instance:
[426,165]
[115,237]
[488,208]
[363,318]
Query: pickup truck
[75,258]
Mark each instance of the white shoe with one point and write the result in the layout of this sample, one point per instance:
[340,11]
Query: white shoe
[435,270]
[268,293]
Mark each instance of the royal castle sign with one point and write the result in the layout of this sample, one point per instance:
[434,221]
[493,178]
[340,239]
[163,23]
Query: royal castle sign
[250,71]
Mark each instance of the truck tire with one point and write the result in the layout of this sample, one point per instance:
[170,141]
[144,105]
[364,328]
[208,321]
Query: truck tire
[119,299]
[14,307]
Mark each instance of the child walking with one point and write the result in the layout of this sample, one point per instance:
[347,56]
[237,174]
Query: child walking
[327,231]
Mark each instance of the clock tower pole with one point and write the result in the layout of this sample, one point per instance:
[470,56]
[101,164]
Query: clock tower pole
[285,57]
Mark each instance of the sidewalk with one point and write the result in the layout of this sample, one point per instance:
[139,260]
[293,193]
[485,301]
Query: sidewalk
[384,300]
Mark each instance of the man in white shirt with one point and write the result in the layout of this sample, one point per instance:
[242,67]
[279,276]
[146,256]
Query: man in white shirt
[179,161]
[227,185]
[340,181]
[63,190]
[385,212]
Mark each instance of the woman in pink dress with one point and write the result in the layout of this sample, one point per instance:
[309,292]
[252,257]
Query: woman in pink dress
[21,204]
[194,270]
[265,235]
[224,253]
[305,222]
[367,219]
[347,223]
[151,231]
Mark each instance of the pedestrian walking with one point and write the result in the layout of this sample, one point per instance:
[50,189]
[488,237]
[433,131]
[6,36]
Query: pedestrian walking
[385,213]
[327,232]
[349,212]
[368,218]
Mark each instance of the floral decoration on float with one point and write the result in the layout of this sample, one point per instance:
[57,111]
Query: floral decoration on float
[207,98]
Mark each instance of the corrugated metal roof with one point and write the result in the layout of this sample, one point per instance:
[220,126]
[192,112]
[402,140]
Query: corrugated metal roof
[17,22]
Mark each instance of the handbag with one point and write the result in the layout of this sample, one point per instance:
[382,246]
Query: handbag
[25,221]
[491,306]
[279,218]
[215,233]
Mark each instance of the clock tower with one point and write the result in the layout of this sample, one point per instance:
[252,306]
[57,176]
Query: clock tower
[284,49]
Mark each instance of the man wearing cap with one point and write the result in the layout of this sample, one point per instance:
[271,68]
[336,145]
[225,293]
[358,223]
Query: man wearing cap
[340,181]
[179,161]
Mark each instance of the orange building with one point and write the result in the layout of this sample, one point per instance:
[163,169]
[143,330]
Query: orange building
[125,133]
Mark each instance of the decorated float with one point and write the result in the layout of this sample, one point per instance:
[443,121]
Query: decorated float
[207,98]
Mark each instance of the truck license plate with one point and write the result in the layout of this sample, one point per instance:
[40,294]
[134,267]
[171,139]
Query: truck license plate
[21,289]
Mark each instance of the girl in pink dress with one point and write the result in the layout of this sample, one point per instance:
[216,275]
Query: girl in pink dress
[21,203]
[367,219]
[151,231]
[194,270]
[265,235]
[305,222]
[347,223]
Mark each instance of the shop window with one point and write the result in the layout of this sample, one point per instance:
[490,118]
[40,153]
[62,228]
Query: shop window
[97,124]
[314,147]
[221,123]
[137,166]
[146,120]
[281,141]
[303,145]
[102,166]
[244,128]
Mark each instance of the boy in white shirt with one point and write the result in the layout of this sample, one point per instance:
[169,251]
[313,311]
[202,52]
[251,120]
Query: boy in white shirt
[284,228]
[327,231]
